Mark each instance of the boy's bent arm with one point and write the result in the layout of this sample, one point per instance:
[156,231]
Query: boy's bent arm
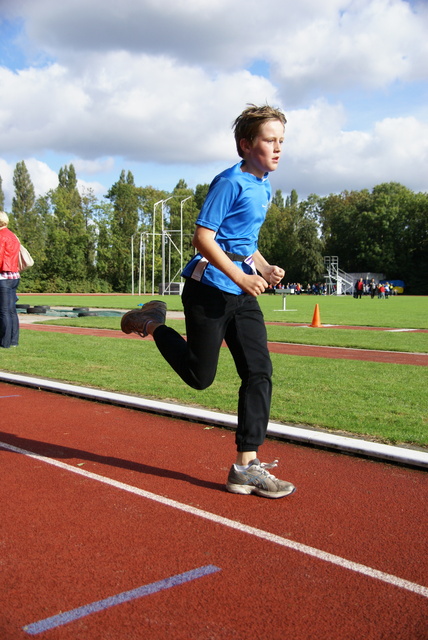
[271,273]
[204,241]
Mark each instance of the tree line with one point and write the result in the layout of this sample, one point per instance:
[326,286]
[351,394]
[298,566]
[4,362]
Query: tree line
[81,243]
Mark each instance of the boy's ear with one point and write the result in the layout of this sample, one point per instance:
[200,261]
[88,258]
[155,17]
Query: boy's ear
[245,145]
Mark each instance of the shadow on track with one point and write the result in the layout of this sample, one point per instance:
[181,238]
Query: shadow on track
[50,450]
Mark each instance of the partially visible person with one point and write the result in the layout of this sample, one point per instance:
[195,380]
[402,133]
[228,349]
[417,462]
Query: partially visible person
[359,288]
[9,281]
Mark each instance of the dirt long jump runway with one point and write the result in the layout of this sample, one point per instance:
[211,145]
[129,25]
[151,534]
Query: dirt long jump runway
[116,525]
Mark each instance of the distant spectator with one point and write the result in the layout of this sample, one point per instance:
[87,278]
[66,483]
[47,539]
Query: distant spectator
[359,288]
[372,288]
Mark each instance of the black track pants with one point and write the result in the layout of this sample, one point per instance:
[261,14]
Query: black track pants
[211,317]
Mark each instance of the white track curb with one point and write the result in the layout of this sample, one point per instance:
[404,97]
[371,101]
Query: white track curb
[401,455]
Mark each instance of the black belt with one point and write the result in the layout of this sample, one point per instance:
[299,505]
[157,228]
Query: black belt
[235,257]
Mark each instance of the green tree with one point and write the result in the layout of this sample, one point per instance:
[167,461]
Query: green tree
[278,199]
[307,264]
[67,236]
[200,194]
[346,229]
[382,231]
[23,203]
[411,257]
[28,221]
[290,238]
[125,198]
[362,228]
[33,279]
[292,199]
[275,241]
[90,209]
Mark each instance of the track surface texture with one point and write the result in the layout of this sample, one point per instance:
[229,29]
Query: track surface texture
[394,357]
[117,522]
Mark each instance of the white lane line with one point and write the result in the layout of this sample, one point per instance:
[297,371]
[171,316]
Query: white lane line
[232,524]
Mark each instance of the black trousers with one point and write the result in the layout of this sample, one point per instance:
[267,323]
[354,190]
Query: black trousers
[211,317]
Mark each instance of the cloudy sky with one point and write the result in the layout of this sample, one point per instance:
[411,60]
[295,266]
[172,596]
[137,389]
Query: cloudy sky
[153,87]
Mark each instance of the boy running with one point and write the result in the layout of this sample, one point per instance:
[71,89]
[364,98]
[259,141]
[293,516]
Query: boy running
[220,296]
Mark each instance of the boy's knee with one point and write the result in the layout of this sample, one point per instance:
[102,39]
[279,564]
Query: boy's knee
[200,385]
[202,381]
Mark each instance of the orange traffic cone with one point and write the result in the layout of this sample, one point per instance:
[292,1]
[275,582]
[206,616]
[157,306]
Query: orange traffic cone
[316,322]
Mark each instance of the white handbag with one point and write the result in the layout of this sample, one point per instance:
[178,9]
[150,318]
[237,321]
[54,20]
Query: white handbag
[24,259]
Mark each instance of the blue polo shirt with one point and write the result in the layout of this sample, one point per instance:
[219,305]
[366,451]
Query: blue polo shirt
[235,208]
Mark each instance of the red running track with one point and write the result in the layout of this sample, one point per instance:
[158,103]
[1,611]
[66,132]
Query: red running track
[116,499]
[391,357]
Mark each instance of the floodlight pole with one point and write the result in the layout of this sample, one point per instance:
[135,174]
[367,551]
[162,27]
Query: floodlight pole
[132,264]
[181,231]
[141,254]
[153,245]
[163,245]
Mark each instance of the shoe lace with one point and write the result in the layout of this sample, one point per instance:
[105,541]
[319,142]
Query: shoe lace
[268,465]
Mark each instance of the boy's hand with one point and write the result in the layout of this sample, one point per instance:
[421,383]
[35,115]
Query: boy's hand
[254,285]
[273,274]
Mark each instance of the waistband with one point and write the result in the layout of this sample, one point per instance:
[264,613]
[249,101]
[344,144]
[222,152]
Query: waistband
[235,257]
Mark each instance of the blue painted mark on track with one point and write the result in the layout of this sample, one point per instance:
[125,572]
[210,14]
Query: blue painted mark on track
[16,396]
[126,596]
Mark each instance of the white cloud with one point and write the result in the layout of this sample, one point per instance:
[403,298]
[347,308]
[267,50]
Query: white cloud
[158,85]
[42,177]
[369,44]
[320,157]
[91,167]
[6,173]
[311,44]
[139,107]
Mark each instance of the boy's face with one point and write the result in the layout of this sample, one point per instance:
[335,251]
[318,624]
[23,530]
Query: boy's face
[263,154]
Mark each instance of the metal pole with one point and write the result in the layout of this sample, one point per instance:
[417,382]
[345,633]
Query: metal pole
[132,264]
[139,270]
[181,231]
[153,246]
[163,244]
[144,263]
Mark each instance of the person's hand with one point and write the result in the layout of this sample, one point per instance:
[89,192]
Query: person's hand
[252,284]
[273,274]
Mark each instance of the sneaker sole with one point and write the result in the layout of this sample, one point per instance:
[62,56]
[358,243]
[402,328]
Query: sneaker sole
[142,310]
[246,490]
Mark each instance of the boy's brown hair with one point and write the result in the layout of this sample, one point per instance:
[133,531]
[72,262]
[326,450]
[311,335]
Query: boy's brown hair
[247,125]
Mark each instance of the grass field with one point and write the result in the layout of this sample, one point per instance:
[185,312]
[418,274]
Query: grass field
[398,311]
[386,402]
